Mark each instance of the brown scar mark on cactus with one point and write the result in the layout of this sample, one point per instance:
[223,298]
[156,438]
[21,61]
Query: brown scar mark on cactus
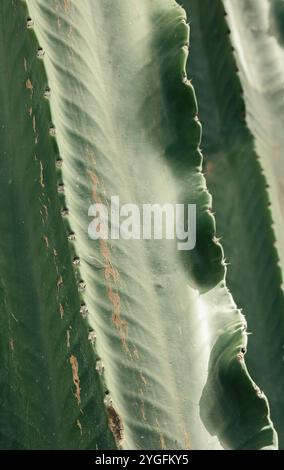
[46,241]
[41,175]
[61,311]
[105,251]
[120,324]
[187,444]
[111,275]
[76,380]
[80,427]
[115,424]
[95,182]
[162,439]
[66,5]
[29,86]
[162,442]
[30,111]
[143,378]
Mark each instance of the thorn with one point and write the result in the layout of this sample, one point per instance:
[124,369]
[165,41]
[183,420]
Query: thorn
[71,237]
[61,188]
[64,212]
[84,310]
[52,131]
[82,286]
[76,261]
[47,93]
[40,53]
[92,337]
[107,399]
[100,367]
[30,23]
[59,163]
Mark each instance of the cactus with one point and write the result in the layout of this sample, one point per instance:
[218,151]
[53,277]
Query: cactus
[111,344]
